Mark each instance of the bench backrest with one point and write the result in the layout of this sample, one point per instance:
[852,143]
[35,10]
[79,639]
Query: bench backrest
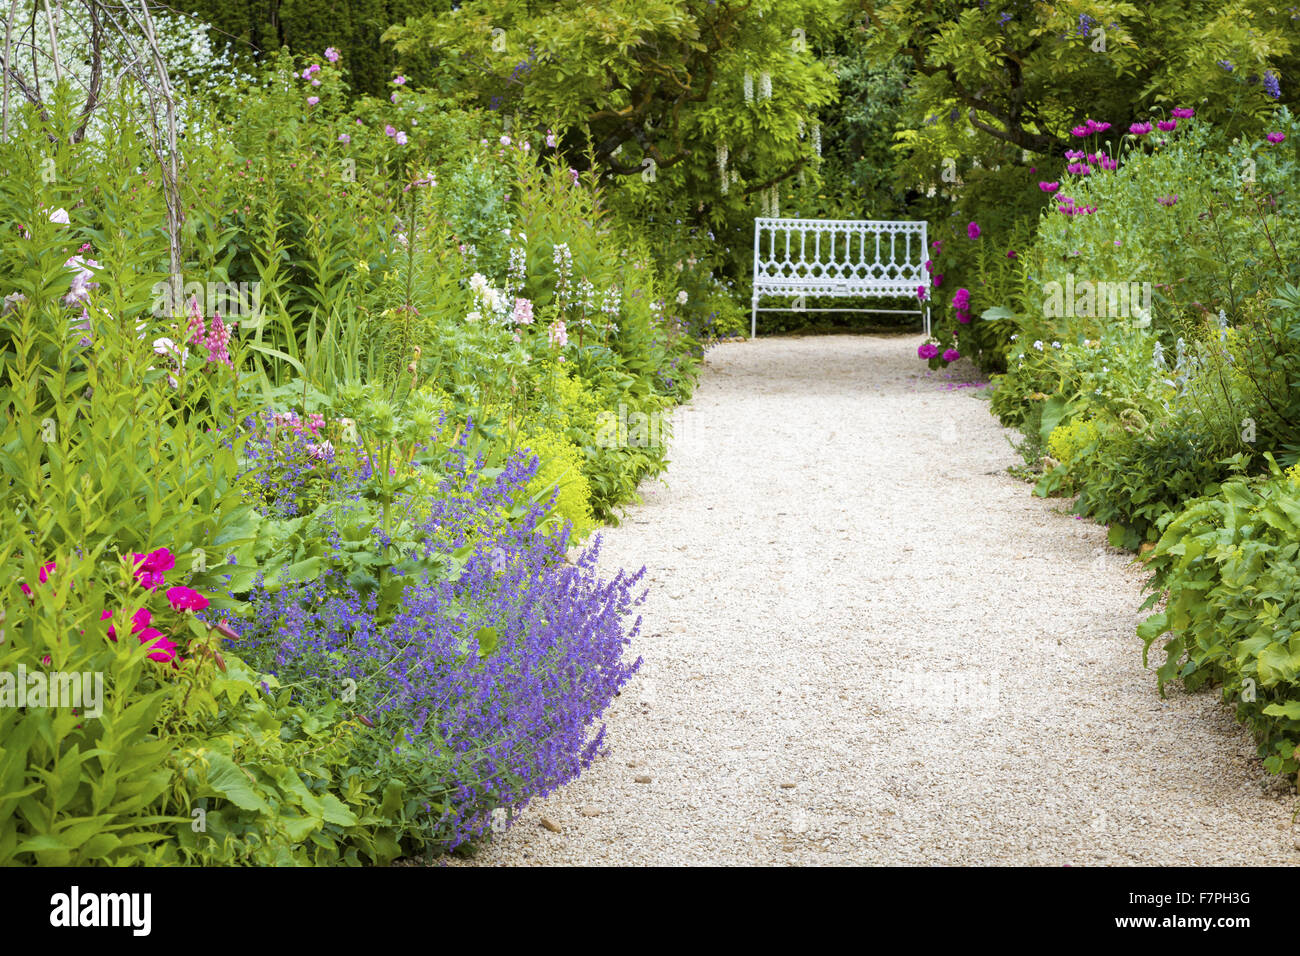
[845,257]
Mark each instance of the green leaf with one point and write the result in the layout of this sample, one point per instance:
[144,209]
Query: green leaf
[233,784]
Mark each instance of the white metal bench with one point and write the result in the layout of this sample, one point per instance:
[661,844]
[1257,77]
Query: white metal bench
[840,258]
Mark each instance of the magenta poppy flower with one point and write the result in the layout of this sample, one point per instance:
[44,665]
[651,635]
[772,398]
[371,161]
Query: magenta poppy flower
[1097,127]
[1080,131]
[186,599]
[973,231]
[1182,112]
[1275,138]
[951,355]
[1140,129]
[1168,126]
[140,620]
[1049,187]
[1011,253]
[927,351]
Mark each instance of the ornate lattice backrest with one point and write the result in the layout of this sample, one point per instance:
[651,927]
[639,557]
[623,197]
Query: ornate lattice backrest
[839,257]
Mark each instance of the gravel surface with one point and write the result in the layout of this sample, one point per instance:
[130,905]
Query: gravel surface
[866,643]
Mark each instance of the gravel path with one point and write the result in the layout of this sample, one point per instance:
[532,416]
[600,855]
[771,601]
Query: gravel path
[866,643]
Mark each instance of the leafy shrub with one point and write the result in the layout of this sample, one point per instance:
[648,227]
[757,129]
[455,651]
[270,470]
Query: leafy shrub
[1227,565]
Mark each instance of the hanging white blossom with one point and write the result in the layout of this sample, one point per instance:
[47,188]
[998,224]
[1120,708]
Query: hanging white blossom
[765,85]
[749,87]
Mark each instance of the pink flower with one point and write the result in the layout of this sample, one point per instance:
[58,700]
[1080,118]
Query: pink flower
[961,299]
[344,138]
[973,231]
[1275,138]
[313,100]
[1049,187]
[921,293]
[310,71]
[550,139]
[162,649]
[217,341]
[963,317]
[1080,131]
[927,351]
[1168,126]
[186,599]
[399,80]
[400,139]
[1182,112]
[1140,129]
[573,174]
[149,568]
[140,620]
[331,54]
[390,130]
[938,280]
[558,335]
[951,355]
[929,265]
[1011,253]
[523,314]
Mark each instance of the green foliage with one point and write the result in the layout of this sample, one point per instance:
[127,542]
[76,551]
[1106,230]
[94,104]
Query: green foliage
[1227,565]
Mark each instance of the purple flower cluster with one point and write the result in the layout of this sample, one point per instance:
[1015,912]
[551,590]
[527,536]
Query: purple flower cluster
[486,684]
[286,460]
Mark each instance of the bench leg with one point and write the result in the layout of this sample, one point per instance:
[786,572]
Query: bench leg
[753,319]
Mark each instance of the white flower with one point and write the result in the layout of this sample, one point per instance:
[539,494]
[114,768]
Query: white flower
[59,215]
[1038,345]
[1056,345]
[682,297]
[473,316]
